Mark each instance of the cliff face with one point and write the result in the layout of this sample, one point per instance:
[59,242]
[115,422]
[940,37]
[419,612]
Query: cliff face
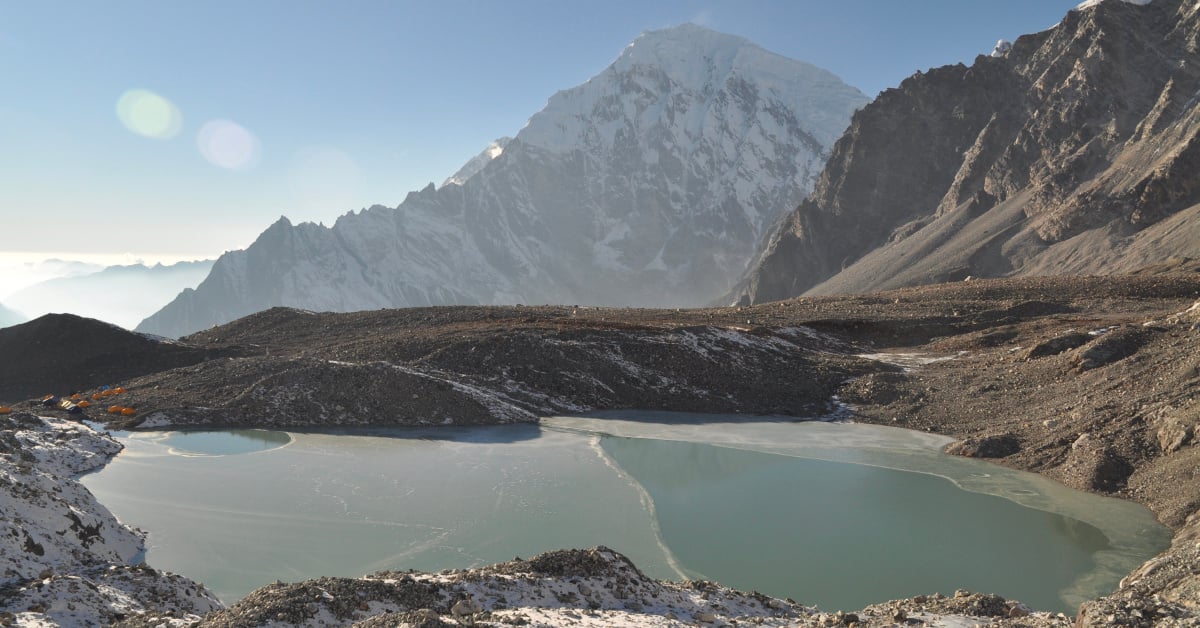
[1076,152]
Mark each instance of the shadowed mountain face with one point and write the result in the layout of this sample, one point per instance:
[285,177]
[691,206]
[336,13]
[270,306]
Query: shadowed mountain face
[1076,152]
[651,184]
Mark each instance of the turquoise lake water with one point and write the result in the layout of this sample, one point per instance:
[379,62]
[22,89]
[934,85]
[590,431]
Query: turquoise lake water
[835,515]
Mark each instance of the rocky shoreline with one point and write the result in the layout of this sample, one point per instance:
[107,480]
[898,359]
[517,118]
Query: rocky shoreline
[1090,381]
[65,558]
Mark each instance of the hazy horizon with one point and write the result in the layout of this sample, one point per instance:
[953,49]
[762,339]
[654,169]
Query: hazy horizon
[19,270]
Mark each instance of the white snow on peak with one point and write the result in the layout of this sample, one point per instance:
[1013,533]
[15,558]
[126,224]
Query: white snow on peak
[692,62]
[1002,48]
[650,184]
[476,163]
[1087,4]
[691,54]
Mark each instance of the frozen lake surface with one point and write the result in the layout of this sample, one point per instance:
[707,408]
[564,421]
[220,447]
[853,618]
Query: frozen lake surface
[836,515]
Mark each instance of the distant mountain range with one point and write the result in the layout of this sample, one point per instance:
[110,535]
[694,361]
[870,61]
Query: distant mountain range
[652,183]
[9,317]
[1076,151]
[122,295]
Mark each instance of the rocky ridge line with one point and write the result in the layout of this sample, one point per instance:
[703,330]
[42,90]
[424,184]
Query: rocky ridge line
[467,374]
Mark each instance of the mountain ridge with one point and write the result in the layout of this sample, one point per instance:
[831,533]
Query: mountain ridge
[647,184]
[1068,154]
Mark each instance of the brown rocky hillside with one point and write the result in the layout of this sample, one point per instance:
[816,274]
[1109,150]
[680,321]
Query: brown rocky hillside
[1077,152]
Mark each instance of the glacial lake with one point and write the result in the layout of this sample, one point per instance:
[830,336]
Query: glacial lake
[834,515]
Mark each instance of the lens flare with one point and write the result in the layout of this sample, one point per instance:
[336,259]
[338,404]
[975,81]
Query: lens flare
[228,145]
[146,113]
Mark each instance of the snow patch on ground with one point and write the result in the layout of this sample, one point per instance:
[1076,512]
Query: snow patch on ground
[908,361]
[64,558]
[500,408]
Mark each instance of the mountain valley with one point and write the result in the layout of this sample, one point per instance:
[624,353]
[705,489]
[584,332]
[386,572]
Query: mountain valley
[1001,254]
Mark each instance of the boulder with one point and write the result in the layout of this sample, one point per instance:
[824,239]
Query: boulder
[1115,345]
[1174,432]
[988,446]
[1057,345]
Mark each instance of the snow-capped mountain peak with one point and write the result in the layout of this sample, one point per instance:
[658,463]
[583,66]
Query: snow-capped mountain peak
[689,62]
[649,184]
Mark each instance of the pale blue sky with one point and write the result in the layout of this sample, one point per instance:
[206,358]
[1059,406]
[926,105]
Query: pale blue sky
[324,107]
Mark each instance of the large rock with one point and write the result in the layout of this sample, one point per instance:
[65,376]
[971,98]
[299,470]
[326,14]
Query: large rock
[1110,347]
[990,446]
[1057,344]
[1175,428]
[1093,464]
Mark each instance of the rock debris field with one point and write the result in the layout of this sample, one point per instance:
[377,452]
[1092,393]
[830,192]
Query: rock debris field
[1089,381]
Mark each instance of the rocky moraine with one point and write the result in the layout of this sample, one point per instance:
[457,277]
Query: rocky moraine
[1090,381]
